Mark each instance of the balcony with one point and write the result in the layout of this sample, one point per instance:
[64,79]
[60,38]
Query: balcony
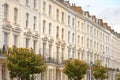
[54,61]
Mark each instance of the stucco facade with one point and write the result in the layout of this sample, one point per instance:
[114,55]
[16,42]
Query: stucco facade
[59,31]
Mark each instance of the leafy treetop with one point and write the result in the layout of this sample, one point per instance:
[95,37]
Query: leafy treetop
[75,69]
[24,62]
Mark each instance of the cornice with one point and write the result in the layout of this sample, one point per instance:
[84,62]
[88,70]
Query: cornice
[16,29]
[58,42]
[63,44]
[28,33]
[45,38]
[6,25]
[35,35]
[51,40]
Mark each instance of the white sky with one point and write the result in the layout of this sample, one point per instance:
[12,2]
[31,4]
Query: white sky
[108,10]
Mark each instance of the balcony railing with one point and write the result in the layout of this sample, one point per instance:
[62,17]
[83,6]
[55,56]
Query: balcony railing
[55,61]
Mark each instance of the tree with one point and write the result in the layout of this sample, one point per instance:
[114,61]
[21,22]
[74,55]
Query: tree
[24,63]
[118,76]
[100,72]
[75,69]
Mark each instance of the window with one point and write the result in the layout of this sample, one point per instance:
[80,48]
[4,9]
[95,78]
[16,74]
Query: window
[34,24]
[68,20]
[78,25]
[69,52]
[44,7]
[82,56]
[100,47]
[50,49]
[82,41]
[50,74]
[103,48]
[3,71]
[44,49]
[15,40]
[82,26]
[108,50]
[88,43]
[88,60]
[106,38]
[50,10]
[103,36]
[95,32]
[57,54]
[57,33]
[27,2]
[27,42]
[94,45]
[91,46]
[50,25]
[62,16]
[72,37]
[6,39]
[78,39]
[15,14]
[27,19]
[88,29]
[79,55]
[73,22]
[44,25]
[5,11]
[57,14]
[34,45]
[62,34]
[68,36]
[73,56]
[97,46]
[34,4]
[91,30]
[62,55]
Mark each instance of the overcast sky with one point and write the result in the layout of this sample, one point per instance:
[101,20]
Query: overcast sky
[108,10]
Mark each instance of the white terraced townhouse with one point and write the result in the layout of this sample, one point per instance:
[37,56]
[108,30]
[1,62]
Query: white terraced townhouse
[59,31]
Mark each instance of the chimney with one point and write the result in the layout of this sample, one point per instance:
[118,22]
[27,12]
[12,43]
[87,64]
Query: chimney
[100,22]
[74,4]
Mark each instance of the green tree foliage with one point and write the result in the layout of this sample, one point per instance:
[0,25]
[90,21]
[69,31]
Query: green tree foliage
[24,63]
[118,76]
[100,72]
[75,69]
